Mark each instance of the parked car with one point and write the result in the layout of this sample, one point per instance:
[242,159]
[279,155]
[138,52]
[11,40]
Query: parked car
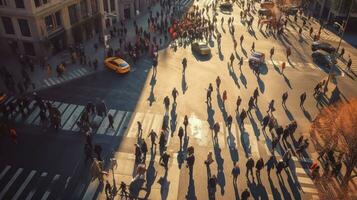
[257,58]
[323,46]
[117,64]
[200,48]
[265,12]
[323,59]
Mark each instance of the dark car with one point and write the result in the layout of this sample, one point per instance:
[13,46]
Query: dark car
[322,46]
[323,59]
[226,6]
[265,12]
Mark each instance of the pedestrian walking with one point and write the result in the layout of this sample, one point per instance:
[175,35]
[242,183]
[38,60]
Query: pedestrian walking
[242,116]
[229,121]
[249,165]
[245,194]
[274,143]
[286,158]
[180,135]
[270,164]
[253,47]
[218,82]
[111,121]
[279,167]
[317,88]
[235,172]
[108,190]
[216,128]
[272,50]
[174,94]
[209,92]
[265,122]
[224,97]
[153,137]
[167,103]
[185,123]
[284,97]
[271,107]
[283,65]
[164,160]
[137,153]
[250,104]
[184,64]
[140,129]
[232,59]
[144,150]
[162,141]
[190,161]
[209,159]
[255,96]
[88,153]
[238,102]
[259,166]
[302,99]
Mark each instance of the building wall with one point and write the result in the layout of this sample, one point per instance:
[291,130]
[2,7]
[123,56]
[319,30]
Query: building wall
[41,38]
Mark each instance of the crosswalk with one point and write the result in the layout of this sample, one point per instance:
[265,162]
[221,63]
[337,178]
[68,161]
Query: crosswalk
[65,77]
[21,183]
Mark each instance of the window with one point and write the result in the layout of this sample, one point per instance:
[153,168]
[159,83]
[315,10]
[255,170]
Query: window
[53,21]
[9,28]
[105,5]
[19,4]
[24,27]
[73,17]
[94,5]
[58,18]
[84,9]
[112,5]
[29,48]
[39,3]
[3,3]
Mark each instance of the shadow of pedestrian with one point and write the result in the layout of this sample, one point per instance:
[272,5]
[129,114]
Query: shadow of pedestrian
[306,114]
[288,113]
[274,190]
[244,138]
[173,122]
[220,174]
[232,147]
[243,80]
[284,190]
[287,81]
[151,97]
[210,113]
[184,86]
[261,84]
[150,176]
[258,191]
[244,52]
[165,186]
[233,75]
[191,193]
[254,126]
[222,107]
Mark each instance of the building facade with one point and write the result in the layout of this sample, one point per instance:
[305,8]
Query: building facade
[40,28]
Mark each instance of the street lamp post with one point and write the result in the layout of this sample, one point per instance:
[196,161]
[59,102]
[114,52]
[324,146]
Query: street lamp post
[339,44]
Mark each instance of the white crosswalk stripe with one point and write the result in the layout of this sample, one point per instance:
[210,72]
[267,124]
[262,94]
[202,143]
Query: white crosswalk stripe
[8,185]
[20,183]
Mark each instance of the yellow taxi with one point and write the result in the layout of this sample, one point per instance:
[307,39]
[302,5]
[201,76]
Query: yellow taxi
[117,64]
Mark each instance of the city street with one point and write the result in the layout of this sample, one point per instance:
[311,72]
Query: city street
[50,164]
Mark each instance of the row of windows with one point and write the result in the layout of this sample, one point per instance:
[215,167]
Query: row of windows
[21,4]
[23,24]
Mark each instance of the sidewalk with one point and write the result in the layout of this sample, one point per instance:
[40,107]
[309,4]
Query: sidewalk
[42,79]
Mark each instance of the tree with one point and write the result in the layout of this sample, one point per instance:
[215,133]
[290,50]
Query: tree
[336,128]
